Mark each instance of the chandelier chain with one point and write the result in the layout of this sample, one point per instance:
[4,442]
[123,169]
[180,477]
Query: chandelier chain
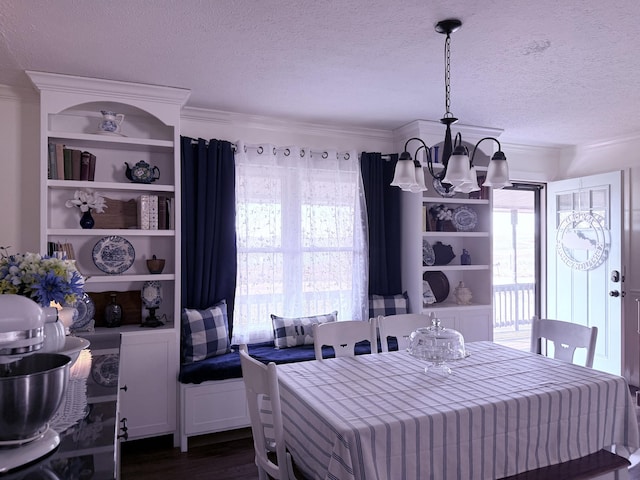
[447,76]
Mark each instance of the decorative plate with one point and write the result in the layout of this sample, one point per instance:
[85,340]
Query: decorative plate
[104,370]
[439,284]
[86,310]
[464,219]
[113,254]
[437,185]
[428,255]
[152,294]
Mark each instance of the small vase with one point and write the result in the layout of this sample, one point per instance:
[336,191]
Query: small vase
[113,313]
[87,221]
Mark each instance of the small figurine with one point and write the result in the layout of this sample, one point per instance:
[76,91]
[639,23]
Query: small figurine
[465,258]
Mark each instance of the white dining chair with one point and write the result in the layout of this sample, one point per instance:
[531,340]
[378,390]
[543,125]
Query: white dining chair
[343,336]
[399,326]
[263,398]
[566,337]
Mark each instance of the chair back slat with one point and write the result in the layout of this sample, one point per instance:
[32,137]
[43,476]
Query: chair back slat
[565,338]
[343,336]
[399,326]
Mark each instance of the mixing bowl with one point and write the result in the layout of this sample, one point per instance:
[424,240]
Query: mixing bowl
[31,390]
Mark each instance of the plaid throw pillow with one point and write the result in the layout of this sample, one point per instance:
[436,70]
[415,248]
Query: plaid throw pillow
[291,332]
[205,333]
[388,304]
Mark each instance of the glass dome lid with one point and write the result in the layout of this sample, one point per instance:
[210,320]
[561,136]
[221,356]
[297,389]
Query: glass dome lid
[437,344]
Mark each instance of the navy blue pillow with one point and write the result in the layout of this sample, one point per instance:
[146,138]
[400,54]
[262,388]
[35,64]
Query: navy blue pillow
[205,333]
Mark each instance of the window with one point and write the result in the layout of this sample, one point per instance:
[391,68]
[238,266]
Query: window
[301,238]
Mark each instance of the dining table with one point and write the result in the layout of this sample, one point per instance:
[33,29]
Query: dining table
[500,412]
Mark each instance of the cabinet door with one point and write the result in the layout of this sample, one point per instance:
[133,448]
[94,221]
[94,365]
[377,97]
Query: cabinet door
[148,369]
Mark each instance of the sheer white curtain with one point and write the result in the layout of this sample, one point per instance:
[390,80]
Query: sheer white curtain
[301,233]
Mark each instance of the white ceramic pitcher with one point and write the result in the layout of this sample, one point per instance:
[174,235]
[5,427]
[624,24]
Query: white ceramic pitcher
[111,121]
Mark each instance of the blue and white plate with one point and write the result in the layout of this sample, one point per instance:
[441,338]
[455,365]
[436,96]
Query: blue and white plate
[113,254]
[86,310]
[464,219]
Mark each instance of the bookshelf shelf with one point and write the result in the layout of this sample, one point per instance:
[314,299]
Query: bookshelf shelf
[138,187]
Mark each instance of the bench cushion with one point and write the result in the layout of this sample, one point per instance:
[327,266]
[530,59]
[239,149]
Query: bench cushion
[227,366]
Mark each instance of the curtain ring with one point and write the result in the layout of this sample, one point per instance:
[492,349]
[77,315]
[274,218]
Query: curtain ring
[287,152]
[347,156]
[325,155]
[260,150]
[302,153]
[245,148]
[274,151]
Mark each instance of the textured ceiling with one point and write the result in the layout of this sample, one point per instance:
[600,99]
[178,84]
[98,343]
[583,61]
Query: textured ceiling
[544,71]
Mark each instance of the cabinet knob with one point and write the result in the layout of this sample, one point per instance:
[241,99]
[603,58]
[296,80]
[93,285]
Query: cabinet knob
[125,389]
[614,293]
[125,434]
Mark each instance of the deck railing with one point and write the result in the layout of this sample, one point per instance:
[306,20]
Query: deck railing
[513,304]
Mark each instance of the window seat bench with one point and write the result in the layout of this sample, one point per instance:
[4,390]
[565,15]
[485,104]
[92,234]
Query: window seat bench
[212,394]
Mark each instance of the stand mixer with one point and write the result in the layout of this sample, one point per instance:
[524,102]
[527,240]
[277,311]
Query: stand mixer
[32,384]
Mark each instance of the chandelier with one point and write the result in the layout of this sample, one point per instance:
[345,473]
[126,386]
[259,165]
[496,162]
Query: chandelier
[458,172]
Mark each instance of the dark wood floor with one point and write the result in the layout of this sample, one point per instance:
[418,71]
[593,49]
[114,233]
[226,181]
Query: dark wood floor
[224,456]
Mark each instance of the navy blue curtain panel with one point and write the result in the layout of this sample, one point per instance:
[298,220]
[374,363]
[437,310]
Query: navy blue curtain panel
[383,215]
[209,263]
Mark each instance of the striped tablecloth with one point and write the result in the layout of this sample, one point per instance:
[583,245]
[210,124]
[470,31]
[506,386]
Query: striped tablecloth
[501,412]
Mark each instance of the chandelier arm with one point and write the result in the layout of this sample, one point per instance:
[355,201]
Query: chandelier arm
[479,142]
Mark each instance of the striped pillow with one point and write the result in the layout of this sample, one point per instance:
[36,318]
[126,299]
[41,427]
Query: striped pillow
[205,333]
[291,332]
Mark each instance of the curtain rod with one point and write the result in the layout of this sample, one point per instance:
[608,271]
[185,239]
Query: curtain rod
[287,152]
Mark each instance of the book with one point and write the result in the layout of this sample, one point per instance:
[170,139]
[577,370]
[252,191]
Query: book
[153,212]
[170,214]
[162,212]
[84,165]
[76,164]
[68,174]
[92,167]
[143,212]
[52,166]
[60,161]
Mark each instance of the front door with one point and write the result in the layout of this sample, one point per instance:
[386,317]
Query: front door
[584,264]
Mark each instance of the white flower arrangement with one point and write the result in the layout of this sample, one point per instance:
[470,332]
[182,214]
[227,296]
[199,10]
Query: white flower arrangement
[86,201]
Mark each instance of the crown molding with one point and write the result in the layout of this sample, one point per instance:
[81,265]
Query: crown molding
[18,94]
[204,115]
[118,90]
[436,128]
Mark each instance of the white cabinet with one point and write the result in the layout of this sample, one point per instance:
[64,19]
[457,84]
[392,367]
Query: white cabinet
[70,115]
[148,372]
[474,321]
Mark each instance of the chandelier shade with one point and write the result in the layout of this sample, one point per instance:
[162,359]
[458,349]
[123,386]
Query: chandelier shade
[459,172]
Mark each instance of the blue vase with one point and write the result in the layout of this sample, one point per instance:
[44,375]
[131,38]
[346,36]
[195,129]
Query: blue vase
[87,221]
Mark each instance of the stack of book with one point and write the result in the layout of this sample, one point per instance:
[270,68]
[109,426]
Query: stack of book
[70,163]
[155,212]
[61,250]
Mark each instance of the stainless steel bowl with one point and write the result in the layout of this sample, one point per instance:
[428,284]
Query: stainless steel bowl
[31,390]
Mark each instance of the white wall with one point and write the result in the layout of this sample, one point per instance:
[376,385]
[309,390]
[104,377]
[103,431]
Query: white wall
[19,178]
